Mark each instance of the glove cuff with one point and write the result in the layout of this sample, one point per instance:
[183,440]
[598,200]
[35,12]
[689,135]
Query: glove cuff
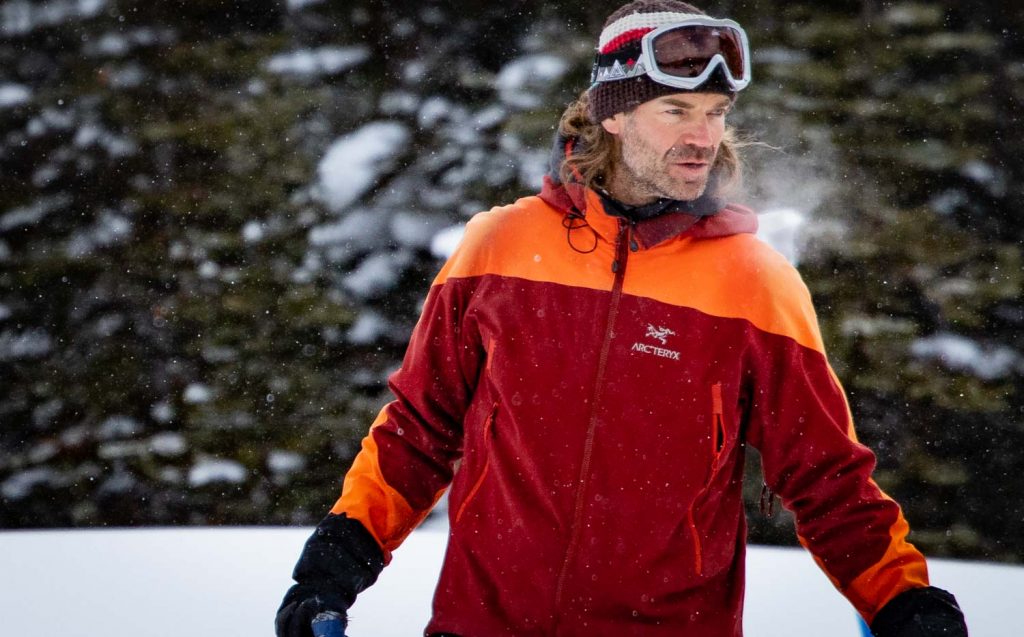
[341,557]
[920,612]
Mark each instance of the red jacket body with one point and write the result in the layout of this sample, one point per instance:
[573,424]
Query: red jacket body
[586,388]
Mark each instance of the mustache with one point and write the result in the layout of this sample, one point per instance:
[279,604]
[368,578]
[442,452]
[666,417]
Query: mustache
[691,152]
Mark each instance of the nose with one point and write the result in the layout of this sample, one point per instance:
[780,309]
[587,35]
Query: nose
[698,133]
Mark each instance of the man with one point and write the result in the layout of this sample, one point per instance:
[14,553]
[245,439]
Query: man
[587,371]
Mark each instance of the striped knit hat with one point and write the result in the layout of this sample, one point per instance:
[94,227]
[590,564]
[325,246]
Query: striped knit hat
[622,32]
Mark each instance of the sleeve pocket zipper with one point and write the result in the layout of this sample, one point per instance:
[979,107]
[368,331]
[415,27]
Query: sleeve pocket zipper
[718,423]
[717,445]
[488,429]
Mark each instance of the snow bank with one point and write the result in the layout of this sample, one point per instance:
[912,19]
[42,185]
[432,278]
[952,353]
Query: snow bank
[367,328]
[522,82]
[18,17]
[197,393]
[217,582]
[444,243]
[14,95]
[211,470]
[377,274]
[311,63]
[297,5]
[354,163]
[33,343]
[962,354]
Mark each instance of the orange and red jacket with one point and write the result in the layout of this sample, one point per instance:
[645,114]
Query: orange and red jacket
[586,386]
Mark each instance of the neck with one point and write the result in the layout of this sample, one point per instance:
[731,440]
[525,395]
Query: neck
[645,205]
[626,190]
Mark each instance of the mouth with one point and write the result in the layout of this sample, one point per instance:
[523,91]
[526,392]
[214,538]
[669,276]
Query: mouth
[692,168]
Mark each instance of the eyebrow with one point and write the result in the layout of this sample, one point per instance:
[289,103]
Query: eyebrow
[671,101]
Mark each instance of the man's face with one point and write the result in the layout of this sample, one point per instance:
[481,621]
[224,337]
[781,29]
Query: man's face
[668,146]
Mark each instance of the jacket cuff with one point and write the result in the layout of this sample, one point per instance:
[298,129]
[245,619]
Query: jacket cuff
[920,612]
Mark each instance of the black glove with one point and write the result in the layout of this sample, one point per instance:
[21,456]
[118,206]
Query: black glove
[340,560]
[301,604]
[920,612]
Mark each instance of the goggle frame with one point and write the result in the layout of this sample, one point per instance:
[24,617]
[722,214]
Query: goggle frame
[646,64]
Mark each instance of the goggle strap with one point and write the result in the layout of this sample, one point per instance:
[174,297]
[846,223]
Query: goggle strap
[617,71]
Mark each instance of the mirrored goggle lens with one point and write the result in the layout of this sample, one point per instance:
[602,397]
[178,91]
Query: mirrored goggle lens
[687,50]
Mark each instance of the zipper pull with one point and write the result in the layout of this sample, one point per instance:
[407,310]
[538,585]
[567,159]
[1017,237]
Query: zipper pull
[623,238]
[631,235]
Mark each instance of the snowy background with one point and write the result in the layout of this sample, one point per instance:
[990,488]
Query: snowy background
[218,220]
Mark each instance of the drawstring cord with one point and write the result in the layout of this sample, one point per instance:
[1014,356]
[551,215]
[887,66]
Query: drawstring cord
[575,220]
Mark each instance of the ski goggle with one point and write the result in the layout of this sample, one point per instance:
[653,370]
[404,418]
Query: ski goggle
[682,55]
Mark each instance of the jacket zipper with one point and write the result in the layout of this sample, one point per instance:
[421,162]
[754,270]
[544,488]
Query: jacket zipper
[488,424]
[623,244]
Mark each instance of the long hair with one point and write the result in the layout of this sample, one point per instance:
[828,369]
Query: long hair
[595,152]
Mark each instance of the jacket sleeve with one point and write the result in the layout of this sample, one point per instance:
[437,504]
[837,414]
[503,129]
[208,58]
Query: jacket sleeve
[800,422]
[407,458]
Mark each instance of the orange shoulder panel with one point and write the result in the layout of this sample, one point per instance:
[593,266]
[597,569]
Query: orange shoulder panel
[736,276]
[527,240]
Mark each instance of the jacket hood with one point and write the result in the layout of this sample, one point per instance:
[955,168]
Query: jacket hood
[702,218]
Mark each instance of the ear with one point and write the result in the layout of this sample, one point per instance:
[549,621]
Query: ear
[614,123]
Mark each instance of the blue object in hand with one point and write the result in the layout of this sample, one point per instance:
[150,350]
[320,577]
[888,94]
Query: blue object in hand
[328,624]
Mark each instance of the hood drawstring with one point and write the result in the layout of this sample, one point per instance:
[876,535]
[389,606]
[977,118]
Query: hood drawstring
[576,220]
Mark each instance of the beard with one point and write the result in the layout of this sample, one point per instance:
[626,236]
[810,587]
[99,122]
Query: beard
[644,175]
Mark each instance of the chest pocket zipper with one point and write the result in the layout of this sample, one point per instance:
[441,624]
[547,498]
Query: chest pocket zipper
[488,433]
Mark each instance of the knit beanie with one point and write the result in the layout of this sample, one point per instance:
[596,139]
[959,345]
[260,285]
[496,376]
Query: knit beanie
[622,33]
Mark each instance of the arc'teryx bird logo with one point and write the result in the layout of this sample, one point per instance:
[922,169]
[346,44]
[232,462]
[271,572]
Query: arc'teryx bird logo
[660,333]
